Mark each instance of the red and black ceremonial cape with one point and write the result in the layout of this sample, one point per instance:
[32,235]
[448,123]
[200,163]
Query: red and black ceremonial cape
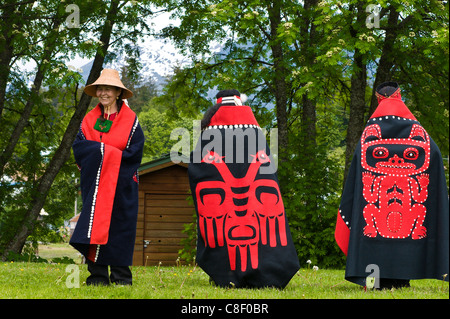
[243,233]
[106,229]
[394,207]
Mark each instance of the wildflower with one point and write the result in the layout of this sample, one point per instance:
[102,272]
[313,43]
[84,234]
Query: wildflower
[288,25]
[315,268]
[412,34]
[308,261]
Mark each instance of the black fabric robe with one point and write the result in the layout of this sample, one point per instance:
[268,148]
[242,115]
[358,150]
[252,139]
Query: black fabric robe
[106,229]
[243,234]
[393,217]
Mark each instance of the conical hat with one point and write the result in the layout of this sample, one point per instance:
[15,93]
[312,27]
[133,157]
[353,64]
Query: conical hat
[108,77]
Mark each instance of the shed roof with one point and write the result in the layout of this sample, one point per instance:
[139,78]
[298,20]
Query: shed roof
[164,161]
[75,218]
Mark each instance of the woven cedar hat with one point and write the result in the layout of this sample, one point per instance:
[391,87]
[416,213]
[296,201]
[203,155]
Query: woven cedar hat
[108,77]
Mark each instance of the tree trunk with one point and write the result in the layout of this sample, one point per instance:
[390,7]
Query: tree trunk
[386,61]
[279,84]
[308,40]
[358,84]
[50,46]
[9,18]
[6,54]
[357,108]
[63,151]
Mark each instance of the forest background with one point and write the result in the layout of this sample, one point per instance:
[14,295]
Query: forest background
[308,67]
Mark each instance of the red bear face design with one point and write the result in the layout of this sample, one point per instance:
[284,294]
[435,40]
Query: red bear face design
[394,184]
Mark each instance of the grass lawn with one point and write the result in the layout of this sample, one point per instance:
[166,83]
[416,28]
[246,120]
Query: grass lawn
[58,250]
[56,281]
[40,280]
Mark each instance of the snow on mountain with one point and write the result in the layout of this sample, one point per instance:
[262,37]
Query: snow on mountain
[157,56]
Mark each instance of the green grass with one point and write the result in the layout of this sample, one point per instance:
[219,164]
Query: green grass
[42,280]
[50,281]
[50,251]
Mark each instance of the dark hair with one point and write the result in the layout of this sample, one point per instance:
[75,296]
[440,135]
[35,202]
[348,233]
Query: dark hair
[209,114]
[212,110]
[387,88]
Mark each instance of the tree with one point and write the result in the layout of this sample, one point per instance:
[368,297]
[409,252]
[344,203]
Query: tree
[17,227]
[404,47]
[269,52]
[304,64]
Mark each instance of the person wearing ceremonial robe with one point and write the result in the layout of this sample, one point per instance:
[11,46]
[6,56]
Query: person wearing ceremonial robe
[244,239]
[108,151]
[393,217]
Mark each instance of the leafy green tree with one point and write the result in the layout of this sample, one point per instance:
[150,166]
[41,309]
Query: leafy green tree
[306,65]
[162,133]
[39,134]
[396,40]
[269,51]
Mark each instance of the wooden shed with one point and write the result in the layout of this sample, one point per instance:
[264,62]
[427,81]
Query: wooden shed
[163,211]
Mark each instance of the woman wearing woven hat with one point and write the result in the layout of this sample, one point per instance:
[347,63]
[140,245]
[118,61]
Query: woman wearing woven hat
[108,151]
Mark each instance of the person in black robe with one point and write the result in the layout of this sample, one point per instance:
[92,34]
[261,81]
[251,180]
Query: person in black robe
[108,150]
[243,234]
[393,217]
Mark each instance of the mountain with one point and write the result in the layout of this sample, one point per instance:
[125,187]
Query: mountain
[158,58]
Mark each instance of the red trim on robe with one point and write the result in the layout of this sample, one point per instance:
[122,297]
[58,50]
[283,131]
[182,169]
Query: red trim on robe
[232,115]
[92,253]
[115,141]
[105,197]
[342,234]
[393,106]
[120,129]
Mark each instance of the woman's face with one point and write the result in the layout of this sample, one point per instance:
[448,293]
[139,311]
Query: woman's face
[107,94]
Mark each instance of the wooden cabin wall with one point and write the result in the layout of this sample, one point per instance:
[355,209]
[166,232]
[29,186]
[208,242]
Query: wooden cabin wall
[163,211]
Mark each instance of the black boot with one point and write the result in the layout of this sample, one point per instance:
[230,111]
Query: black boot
[386,283]
[99,274]
[121,275]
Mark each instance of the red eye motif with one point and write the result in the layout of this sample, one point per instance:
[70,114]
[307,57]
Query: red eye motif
[380,152]
[411,153]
